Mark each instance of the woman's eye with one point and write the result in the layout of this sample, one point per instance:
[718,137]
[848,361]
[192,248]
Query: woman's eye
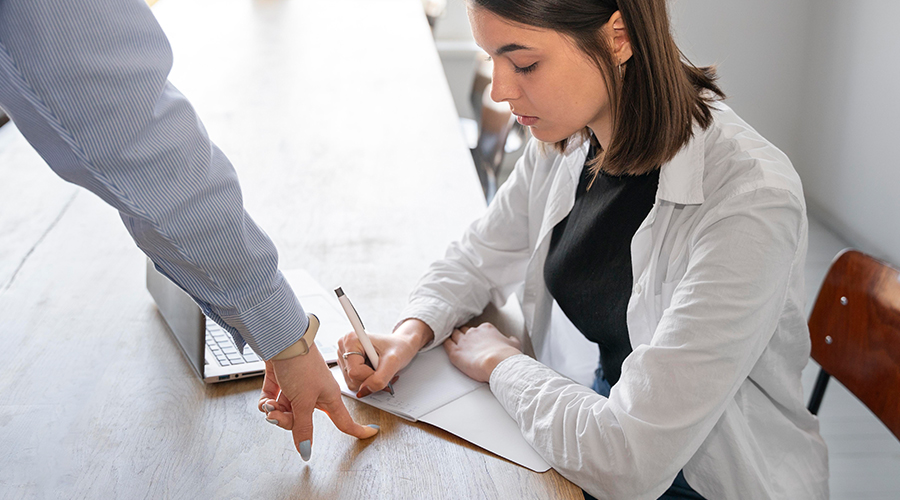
[526,69]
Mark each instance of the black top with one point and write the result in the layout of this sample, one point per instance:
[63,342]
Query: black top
[588,267]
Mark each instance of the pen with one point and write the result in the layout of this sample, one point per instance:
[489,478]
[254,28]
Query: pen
[360,330]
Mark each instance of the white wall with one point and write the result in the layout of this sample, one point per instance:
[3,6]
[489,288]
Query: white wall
[458,52]
[758,48]
[821,80]
[454,24]
[849,122]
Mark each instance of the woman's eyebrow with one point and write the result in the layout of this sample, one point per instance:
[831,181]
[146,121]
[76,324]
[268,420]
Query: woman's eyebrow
[510,47]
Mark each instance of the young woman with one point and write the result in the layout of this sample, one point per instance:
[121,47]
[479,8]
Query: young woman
[668,231]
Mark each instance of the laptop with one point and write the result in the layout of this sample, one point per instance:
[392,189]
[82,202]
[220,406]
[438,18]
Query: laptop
[209,349]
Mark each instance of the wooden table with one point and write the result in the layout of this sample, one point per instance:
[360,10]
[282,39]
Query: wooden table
[339,122]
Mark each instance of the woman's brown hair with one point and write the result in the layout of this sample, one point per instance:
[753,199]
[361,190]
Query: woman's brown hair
[660,94]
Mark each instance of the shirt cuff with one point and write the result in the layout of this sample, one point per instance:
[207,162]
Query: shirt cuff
[511,378]
[270,326]
[433,312]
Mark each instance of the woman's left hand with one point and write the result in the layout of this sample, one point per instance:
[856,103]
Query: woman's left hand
[477,351]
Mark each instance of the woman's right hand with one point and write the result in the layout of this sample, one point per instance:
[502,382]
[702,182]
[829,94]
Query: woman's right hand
[395,351]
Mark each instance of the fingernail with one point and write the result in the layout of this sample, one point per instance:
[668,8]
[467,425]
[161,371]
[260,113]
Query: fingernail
[272,421]
[377,428]
[305,450]
[268,407]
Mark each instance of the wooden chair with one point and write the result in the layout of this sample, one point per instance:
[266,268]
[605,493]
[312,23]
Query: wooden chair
[855,333]
[500,139]
[484,67]
[496,122]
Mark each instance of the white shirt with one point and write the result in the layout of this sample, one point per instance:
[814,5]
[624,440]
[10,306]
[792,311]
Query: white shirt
[716,321]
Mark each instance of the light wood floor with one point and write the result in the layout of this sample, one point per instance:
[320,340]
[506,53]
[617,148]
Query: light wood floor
[864,456]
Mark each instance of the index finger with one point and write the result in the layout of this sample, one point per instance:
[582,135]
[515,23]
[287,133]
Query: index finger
[338,414]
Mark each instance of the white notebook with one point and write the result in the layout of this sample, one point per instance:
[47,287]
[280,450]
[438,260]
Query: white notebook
[432,390]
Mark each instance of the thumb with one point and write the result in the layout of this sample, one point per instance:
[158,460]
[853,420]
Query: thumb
[302,431]
[386,372]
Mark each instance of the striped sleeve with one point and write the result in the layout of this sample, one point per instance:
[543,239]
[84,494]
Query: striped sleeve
[86,84]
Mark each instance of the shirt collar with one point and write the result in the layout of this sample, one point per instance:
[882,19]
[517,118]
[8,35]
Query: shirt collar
[681,179]
[574,157]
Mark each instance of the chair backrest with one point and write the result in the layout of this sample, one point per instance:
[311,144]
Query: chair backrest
[484,68]
[855,332]
[496,122]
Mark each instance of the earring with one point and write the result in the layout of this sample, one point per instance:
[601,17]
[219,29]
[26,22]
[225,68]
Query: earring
[621,75]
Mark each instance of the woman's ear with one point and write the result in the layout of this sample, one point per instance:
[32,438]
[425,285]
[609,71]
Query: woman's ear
[621,44]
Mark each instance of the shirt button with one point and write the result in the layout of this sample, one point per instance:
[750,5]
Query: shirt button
[637,289]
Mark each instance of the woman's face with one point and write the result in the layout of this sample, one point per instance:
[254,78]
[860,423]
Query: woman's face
[551,86]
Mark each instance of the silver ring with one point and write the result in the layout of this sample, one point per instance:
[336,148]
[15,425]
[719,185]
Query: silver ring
[346,354]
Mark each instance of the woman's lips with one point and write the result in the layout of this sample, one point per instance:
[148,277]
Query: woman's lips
[526,120]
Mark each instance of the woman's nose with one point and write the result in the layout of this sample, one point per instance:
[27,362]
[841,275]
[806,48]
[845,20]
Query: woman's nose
[503,87]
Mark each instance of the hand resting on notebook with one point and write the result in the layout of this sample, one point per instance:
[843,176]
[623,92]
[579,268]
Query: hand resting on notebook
[477,351]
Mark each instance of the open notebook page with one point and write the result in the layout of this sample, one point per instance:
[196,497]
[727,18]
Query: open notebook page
[428,383]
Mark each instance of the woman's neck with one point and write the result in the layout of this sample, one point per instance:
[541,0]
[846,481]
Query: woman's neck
[602,130]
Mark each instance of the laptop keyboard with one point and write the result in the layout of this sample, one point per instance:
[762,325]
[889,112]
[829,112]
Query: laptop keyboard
[220,343]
